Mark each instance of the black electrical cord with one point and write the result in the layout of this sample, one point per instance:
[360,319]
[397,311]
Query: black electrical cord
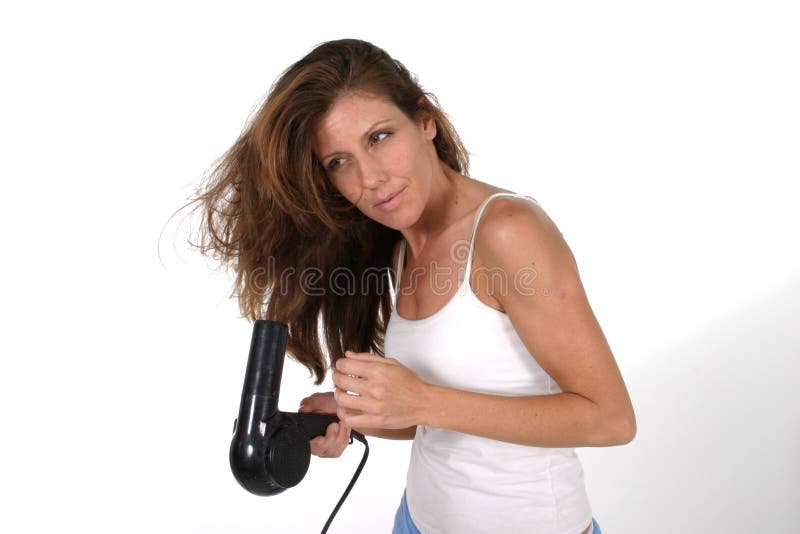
[360,437]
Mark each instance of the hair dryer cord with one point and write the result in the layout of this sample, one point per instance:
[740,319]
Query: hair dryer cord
[360,437]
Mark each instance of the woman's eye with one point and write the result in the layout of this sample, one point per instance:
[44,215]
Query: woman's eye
[333,165]
[377,134]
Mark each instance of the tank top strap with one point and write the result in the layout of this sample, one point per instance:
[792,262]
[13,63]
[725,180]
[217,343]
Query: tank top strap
[402,254]
[477,219]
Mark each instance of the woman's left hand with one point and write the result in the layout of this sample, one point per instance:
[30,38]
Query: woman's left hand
[390,395]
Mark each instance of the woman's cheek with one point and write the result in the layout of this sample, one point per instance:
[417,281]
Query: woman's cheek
[346,189]
[353,193]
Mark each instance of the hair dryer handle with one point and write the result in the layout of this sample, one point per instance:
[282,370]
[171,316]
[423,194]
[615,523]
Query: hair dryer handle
[313,424]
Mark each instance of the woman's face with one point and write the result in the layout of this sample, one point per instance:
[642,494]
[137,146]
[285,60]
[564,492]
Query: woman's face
[371,151]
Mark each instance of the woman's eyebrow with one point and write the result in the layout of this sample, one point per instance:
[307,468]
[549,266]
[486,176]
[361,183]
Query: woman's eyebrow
[363,136]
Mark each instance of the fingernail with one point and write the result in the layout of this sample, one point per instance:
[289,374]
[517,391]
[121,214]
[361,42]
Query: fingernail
[336,428]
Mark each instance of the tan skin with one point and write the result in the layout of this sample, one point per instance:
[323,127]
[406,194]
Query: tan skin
[437,208]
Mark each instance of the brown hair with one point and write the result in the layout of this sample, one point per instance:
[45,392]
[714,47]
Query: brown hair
[271,212]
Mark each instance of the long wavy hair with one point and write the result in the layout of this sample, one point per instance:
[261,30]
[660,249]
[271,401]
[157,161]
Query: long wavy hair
[271,213]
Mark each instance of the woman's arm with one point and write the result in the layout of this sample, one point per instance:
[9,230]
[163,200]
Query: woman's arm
[546,303]
[555,420]
[387,433]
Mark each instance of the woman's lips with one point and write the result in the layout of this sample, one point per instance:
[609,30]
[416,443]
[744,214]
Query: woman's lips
[391,202]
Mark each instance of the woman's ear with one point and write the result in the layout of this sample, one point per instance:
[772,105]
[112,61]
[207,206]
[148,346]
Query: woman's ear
[428,122]
[429,127]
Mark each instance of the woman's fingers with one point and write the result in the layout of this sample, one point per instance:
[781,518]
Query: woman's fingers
[321,445]
[333,443]
[310,404]
[319,403]
[325,446]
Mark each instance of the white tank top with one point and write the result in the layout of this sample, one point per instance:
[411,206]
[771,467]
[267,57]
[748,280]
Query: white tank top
[460,483]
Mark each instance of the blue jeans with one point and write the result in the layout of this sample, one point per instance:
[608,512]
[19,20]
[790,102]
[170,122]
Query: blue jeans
[402,519]
[404,525]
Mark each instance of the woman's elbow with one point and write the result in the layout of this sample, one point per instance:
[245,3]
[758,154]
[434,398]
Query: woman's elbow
[629,430]
[618,431]
[626,429]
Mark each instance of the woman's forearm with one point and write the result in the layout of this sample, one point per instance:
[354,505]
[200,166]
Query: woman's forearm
[389,433]
[555,420]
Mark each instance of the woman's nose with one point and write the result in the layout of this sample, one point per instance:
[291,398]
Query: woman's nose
[373,174]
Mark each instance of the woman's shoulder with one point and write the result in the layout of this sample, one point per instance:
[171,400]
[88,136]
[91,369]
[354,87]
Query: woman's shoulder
[505,213]
[509,223]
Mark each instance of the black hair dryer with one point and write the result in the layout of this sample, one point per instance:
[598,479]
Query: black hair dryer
[270,450]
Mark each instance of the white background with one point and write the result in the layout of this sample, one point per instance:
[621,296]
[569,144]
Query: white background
[662,138]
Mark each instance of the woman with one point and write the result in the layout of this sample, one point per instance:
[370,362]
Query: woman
[349,170]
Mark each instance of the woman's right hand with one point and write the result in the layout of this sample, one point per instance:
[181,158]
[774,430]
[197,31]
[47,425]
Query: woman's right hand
[335,440]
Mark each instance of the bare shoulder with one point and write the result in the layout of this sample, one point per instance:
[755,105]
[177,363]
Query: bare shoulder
[517,232]
[508,217]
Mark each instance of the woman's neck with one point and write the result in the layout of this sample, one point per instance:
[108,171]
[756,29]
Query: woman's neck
[451,197]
